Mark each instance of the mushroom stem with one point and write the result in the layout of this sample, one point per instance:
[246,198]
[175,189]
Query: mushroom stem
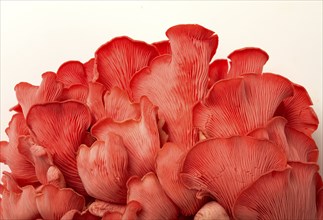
[212,210]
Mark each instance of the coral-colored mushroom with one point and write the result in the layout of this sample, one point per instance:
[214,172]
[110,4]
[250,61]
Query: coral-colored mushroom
[288,194]
[28,95]
[223,167]
[119,59]
[247,60]
[140,137]
[103,169]
[54,203]
[298,111]
[237,106]
[297,145]
[22,169]
[118,106]
[169,163]
[71,73]
[143,191]
[60,128]
[16,202]
[176,82]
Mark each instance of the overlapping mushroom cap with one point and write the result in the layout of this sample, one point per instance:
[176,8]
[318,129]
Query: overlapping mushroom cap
[160,131]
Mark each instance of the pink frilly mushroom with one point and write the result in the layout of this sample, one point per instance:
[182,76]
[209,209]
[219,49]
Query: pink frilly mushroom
[162,131]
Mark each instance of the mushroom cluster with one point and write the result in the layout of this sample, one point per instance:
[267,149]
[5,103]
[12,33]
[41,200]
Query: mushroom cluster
[162,131]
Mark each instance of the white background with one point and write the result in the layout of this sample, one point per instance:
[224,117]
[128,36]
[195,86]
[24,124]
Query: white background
[39,36]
